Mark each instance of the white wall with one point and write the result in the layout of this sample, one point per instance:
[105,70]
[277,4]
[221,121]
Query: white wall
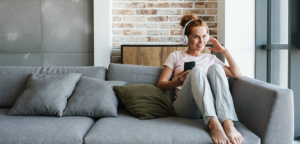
[102,36]
[236,30]
[221,21]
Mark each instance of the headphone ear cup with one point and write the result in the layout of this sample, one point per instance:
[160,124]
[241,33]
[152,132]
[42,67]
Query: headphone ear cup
[185,40]
[208,37]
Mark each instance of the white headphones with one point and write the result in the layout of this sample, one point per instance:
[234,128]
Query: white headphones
[185,39]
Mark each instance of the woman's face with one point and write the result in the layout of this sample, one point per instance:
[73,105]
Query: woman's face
[197,38]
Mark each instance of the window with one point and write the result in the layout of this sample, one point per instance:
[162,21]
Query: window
[278,34]
[277,51]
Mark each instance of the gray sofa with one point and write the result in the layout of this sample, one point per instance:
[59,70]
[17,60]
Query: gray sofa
[265,112]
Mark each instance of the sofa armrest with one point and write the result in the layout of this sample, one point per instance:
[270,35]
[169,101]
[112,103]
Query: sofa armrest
[265,109]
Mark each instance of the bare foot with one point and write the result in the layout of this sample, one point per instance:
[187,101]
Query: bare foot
[234,136]
[216,132]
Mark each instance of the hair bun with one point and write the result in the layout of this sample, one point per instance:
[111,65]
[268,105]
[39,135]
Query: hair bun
[186,18]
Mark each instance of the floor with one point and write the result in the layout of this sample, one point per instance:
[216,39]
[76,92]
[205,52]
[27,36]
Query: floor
[297,142]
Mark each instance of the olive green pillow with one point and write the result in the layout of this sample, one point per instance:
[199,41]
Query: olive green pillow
[145,101]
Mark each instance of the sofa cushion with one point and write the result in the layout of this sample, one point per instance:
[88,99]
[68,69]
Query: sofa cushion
[145,101]
[170,130]
[42,129]
[45,95]
[93,98]
[136,74]
[13,79]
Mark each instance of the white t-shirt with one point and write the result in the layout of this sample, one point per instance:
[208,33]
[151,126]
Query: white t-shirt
[177,59]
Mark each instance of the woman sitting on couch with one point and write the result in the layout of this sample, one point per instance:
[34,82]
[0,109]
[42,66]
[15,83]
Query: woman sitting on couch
[203,90]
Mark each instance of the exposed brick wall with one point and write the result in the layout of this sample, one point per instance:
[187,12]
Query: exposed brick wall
[155,22]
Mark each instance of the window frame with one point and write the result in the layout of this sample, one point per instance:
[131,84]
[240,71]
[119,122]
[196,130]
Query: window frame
[263,48]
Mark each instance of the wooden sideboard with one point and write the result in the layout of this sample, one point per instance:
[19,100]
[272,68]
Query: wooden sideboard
[151,55]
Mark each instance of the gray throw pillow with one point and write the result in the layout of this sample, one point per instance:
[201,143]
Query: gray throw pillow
[45,95]
[93,98]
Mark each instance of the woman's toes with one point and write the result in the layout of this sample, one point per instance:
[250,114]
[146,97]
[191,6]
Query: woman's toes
[241,139]
[237,140]
[233,141]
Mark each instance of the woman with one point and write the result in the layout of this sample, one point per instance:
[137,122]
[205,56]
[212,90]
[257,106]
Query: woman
[204,89]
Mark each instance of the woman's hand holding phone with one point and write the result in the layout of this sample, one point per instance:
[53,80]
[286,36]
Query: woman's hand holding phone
[181,77]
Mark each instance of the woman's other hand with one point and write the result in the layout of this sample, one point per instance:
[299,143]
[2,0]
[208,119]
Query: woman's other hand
[181,77]
[217,46]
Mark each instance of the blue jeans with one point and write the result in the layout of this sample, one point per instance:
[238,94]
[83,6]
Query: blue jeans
[206,94]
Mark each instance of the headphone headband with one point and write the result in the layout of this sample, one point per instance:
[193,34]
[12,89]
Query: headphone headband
[188,24]
[185,38]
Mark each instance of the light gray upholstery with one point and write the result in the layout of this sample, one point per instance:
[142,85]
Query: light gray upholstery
[265,112]
[127,129]
[266,109]
[45,94]
[42,129]
[134,74]
[13,79]
[93,98]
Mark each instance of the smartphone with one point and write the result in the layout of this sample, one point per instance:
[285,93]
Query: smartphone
[189,65]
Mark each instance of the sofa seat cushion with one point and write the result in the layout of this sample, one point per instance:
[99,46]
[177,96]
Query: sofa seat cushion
[128,129]
[43,129]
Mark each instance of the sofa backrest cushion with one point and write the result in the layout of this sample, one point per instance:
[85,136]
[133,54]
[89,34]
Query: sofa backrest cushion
[13,79]
[136,74]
